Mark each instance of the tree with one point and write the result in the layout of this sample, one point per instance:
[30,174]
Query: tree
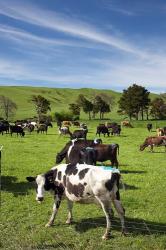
[74,108]
[7,106]
[86,105]
[100,106]
[158,108]
[42,105]
[133,101]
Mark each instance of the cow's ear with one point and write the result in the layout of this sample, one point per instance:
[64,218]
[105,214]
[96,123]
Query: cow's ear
[30,178]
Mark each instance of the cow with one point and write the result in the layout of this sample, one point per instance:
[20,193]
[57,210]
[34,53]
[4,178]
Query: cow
[110,124]
[161,131]
[81,143]
[4,127]
[126,124]
[153,141]
[42,128]
[149,127]
[100,153]
[83,126]
[30,127]
[87,155]
[66,123]
[92,154]
[84,184]
[16,129]
[76,123]
[102,129]
[116,130]
[64,131]
[81,133]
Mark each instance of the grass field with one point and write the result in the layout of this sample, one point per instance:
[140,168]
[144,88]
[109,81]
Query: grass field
[144,196]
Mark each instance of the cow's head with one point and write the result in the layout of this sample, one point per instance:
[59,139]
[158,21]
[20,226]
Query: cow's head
[142,147]
[44,183]
[59,158]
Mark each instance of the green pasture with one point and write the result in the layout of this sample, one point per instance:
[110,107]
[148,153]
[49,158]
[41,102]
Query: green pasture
[143,196]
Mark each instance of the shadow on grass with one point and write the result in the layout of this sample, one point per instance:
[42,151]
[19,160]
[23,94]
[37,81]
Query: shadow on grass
[133,226]
[10,184]
[133,171]
[128,187]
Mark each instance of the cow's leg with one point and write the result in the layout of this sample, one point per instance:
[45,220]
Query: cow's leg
[69,206]
[121,213]
[56,206]
[106,206]
[151,148]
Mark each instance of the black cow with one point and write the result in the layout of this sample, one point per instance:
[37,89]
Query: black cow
[102,129]
[82,133]
[4,128]
[42,128]
[16,129]
[81,143]
[149,127]
[116,130]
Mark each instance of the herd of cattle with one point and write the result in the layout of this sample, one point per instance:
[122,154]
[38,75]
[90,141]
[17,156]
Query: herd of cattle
[19,127]
[79,180]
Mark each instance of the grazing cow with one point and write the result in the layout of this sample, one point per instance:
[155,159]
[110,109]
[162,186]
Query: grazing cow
[16,129]
[149,127]
[110,124]
[161,131]
[4,127]
[66,123]
[42,128]
[85,184]
[83,126]
[81,143]
[64,131]
[79,134]
[30,127]
[126,124]
[116,130]
[76,123]
[102,129]
[153,141]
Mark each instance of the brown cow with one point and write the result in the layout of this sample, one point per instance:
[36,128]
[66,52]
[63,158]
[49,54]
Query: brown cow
[161,131]
[66,123]
[126,124]
[153,141]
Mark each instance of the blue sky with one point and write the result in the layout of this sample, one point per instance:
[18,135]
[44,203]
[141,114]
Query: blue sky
[104,44]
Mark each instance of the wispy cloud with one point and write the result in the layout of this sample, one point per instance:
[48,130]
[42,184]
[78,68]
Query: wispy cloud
[59,62]
[62,23]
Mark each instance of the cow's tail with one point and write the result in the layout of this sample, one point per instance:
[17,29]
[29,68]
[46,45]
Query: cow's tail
[118,148]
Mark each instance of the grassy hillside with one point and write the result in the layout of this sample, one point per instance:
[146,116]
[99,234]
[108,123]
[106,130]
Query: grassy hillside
[59,98]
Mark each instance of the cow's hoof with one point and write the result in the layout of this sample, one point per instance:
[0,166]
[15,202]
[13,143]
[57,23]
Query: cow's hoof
[48,225]
[106,237]
[124,232]
[68,222]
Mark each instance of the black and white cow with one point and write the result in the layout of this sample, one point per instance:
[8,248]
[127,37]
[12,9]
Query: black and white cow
[81,183]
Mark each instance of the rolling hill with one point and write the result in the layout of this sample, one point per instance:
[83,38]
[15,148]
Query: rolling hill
[59,98]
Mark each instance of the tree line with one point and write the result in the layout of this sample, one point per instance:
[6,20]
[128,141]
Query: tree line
[134,103]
